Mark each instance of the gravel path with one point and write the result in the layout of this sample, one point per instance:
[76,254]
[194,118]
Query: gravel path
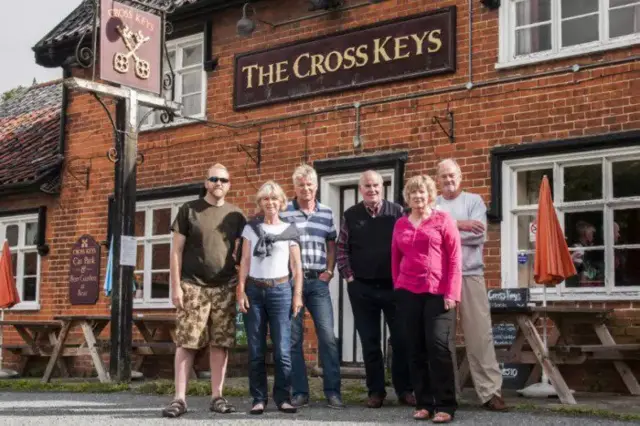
[132,409]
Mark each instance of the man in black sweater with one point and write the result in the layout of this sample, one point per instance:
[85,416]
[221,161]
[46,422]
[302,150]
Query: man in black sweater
[364,262]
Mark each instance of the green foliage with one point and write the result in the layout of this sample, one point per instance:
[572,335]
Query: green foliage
[28,385]
[11,93]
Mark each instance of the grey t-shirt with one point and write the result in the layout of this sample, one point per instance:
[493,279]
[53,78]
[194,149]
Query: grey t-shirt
[468,206]
[211,233]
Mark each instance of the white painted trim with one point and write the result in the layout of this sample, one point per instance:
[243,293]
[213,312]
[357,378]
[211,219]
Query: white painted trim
[506,53]
[508,244]
[27,306]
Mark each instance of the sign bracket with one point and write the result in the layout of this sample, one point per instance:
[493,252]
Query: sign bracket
[449,118]
[254,151]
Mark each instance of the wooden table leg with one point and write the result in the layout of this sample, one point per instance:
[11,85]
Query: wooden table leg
[93,350]
[60,362]
[558,382]
[148,338]
[623,369]
[536,371]
[57,350]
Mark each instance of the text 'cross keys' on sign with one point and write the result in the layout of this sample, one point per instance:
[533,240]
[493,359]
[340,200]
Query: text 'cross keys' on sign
[132,41]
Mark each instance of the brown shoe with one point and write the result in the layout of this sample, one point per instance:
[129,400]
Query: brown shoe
[496,403]
[375,401]
[407,398]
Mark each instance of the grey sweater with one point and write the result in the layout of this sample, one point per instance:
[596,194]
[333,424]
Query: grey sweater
[467,206]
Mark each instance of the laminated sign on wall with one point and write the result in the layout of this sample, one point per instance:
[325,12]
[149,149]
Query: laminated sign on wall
[533,228]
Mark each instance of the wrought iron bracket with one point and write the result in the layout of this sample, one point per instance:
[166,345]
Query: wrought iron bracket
[254,152]
[448,117]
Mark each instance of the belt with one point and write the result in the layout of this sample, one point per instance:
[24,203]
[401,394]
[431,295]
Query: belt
[267,282]
[310,274]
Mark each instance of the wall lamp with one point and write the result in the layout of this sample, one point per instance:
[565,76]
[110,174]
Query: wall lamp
[246,25]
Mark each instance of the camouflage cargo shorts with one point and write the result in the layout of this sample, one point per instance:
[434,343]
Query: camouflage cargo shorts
[208,317]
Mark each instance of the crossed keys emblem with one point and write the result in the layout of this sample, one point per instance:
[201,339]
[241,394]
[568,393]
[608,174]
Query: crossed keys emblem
[132,41]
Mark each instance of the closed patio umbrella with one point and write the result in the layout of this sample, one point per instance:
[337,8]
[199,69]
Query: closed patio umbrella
[8,295]
[552,265]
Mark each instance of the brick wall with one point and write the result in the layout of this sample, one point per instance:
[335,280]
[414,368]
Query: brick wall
[597,101]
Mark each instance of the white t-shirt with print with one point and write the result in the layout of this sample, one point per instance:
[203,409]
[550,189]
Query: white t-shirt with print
[276,265]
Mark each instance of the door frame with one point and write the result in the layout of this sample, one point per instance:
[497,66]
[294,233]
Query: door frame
[339,172]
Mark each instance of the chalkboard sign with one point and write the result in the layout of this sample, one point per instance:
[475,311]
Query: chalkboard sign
[514,376]
[504,334]
[511,299]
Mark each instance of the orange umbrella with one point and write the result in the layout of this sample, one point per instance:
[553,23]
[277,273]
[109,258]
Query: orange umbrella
[553,262]
[8,292]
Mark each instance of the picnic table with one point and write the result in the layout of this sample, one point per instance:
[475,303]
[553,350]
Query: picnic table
[38,340]
[91,327]
[528,346]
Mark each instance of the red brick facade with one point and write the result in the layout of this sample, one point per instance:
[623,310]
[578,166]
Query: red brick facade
[600,100]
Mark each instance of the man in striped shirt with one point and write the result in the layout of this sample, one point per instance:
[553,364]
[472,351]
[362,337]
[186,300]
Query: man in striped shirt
[318,245]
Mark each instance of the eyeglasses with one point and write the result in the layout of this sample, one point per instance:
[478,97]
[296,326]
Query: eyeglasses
[215,179]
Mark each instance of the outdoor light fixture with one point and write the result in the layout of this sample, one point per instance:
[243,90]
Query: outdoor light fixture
[325,4]
[491,4]
[246,25]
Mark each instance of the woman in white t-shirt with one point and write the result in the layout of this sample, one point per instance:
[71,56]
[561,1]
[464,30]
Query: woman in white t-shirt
[267,296]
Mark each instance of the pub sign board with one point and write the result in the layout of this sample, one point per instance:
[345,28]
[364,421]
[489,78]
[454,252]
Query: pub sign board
[400,49]
[130,46]
[84,271]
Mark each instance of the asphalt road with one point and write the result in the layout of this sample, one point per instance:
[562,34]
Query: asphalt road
[129,409]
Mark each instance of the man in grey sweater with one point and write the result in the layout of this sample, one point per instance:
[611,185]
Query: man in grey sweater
[471,215]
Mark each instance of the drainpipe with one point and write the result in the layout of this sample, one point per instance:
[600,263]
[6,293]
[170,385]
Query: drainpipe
[469,84]
[66,73]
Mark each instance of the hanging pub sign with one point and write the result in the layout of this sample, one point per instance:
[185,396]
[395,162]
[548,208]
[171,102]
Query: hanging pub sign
[84,271]
[130,46]
[416,46]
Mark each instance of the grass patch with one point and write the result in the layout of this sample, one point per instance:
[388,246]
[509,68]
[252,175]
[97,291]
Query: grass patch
[26,385]
[196,388]
[594,412]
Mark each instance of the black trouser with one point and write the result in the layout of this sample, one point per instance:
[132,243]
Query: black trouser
[368,301]
[430,333]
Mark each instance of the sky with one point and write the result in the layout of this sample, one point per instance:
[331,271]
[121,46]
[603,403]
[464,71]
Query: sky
[23,24]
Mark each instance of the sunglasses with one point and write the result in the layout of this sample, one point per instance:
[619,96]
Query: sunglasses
[215,179]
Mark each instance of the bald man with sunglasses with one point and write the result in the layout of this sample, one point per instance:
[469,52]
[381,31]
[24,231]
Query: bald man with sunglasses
[206,235]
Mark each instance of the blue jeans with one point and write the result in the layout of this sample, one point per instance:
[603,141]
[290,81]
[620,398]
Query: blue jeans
[270,306]
[316,298]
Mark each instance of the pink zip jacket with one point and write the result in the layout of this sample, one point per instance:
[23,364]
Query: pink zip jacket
[427,259]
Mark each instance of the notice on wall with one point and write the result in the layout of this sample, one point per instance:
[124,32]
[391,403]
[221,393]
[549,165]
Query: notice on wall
[533,228]
[84,271]
[128,247]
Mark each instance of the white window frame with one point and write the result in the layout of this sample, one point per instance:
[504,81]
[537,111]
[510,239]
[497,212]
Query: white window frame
[21,249]
[145,242]
[510,210]
[507,16]
[177,46]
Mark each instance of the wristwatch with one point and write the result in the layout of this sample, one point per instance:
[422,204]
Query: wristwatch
[327,271]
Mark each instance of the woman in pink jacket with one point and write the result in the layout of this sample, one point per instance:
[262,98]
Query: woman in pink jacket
[427,273]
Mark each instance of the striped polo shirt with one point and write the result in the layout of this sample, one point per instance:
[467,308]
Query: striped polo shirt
[315,230]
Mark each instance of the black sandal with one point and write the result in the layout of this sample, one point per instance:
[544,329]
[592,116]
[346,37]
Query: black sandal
[176,408]
[286,407]
[222,406]
[257,411]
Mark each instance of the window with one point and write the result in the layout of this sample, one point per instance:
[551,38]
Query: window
[153,234]
[22,234]
[190,84]
[535,30]
[597,199]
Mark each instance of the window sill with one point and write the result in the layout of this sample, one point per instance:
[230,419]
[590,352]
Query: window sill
[152,306]
[582,296]
[25,306]
[569,52]
[178,122]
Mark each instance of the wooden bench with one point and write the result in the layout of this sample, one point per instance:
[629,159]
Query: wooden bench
[613,352]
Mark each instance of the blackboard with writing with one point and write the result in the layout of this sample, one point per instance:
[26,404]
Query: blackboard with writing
[512,299]
[514,376]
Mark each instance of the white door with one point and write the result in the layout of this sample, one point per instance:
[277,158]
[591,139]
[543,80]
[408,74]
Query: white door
[341,192]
